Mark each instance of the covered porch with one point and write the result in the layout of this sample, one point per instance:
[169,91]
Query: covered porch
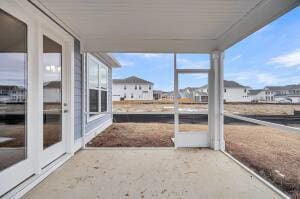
[97,27]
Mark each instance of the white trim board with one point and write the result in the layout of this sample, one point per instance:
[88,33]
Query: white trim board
[191,139]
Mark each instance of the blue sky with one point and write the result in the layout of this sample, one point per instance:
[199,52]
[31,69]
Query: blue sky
[270,56]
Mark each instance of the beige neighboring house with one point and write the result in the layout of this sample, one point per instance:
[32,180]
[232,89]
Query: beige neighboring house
[132,88]
[52,93]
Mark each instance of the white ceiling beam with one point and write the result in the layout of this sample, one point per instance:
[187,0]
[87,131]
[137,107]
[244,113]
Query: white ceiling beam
[149,45]
[261,15]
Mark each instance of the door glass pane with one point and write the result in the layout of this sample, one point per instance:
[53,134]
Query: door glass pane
[13,89]
[52,101]
[93,74]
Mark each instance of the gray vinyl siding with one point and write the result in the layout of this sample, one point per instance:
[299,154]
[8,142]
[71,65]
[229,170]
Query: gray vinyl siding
[91,125]
[77,90]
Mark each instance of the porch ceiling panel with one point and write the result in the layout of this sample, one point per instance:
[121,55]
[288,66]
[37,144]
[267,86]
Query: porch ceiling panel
[163,25]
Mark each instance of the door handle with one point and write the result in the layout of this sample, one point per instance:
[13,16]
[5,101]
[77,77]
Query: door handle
[65,111]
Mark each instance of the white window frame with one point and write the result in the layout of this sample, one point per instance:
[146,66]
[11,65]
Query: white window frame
[100,65]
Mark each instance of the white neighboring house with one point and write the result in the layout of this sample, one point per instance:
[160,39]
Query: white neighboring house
[289,93]
[257,95]
[132,88]
[12,93]
[233,92]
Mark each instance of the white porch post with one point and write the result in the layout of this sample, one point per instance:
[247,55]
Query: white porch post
[216,101]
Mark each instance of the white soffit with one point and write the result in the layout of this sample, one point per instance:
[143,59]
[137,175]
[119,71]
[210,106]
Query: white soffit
[163,25]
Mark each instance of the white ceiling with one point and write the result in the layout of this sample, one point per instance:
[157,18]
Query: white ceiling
[163,25]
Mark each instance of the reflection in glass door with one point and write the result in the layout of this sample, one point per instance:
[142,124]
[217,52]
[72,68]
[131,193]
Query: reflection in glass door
[13,89]
[52,92]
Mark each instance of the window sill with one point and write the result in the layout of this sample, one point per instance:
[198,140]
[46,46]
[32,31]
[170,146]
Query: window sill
[95,117]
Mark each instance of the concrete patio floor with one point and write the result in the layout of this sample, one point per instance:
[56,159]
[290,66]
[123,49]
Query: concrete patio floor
[150,173]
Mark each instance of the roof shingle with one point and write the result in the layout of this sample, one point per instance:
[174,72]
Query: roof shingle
[131,80]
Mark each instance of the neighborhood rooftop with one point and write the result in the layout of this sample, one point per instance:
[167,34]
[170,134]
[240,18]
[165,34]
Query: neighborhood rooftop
[287,87]
[131,80]
[230,84]
[254,91]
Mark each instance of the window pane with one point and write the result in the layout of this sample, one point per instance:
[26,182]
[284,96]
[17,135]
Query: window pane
[94,100]
[93,74]
[52,93]
[103,78]
[13,89]
[103,101]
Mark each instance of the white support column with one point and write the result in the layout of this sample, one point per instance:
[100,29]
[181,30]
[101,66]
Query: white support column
[221,101]
[216,101]
[176,114]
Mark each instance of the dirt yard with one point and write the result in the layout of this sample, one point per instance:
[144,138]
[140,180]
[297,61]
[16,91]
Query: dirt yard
[273,154]
[238,108]
[138,135]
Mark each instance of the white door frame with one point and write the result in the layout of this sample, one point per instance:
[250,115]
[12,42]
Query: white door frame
[187,139]
[54,151]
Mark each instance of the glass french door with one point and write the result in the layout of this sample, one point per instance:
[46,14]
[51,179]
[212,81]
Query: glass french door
[33,108]
[54,144]
[16,159]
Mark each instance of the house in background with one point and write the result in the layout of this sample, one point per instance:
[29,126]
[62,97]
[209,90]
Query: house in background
[12,94]
[233,92]
[52,92]
[157,94]
[199,96]
[257,95]
[276,94]
[132,88]
[288,93]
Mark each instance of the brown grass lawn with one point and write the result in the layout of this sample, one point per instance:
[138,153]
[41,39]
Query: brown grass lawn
[273,154]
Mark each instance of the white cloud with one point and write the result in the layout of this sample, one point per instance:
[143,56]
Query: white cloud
[200,76]
[240,76]
[235,58]
[248,77]
[148,55]
[152,55]
[288,60]
[267,79]
[186,63]
[126,63]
